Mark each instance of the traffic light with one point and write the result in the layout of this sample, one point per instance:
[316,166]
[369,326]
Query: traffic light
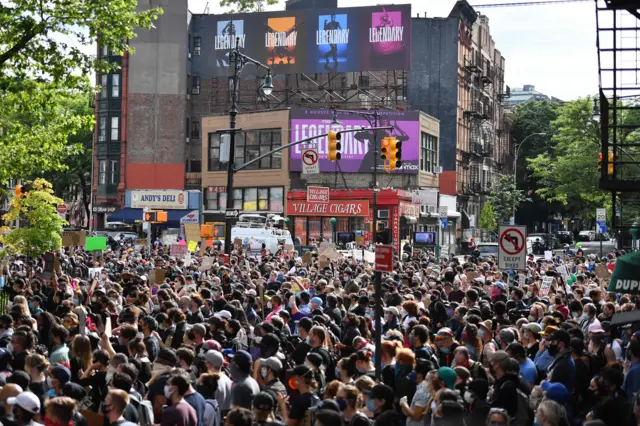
[610,165]
[155,216]
[334,145]
[395,154]
[599,161]
[18,191]
[384,150]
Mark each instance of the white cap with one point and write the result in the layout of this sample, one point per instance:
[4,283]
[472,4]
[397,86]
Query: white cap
[27,401]
[223,314]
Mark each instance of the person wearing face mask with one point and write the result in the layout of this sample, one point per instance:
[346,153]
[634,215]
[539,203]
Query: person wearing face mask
[160,371]
[416,411]
[214,361]
[207,386]
[34,306]
[25,407]
[364,363]
[391,319]
[437,310]
[316,338]
[245,387]
[589,317]
[530,339]
[475,398]
[346,370]
[550,413]
[180,412]
[381,404]
[95,376]
[349,401]
[562,369]
[268,373]
[114,406]
[148,326]
[60,352]
[446,345]
[301,380]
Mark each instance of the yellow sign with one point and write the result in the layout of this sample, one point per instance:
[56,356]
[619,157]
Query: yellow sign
[192,246]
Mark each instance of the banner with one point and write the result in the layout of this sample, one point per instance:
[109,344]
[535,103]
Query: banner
[376,38]
[357,153]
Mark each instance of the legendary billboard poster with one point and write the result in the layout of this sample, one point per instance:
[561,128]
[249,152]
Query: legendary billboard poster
[280,40]
[228,34]
[349,39]
[332,43]
[357,147]
[387,39]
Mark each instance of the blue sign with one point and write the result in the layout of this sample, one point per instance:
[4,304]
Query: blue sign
[602,227]
[443,222]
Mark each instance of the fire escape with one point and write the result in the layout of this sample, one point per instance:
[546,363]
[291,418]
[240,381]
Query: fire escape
[618,41]
[478,77]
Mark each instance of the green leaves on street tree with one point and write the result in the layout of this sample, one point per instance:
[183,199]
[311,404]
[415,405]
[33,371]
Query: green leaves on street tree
[568,172]
[504,196]
[240,6]
[488,217]
[46,55]
[40,223]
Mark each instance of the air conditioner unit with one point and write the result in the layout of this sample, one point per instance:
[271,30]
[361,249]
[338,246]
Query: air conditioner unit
[195,90]
[197,51]
[437,170]
[383,214]
[189,55]
[187,140]
[383,224]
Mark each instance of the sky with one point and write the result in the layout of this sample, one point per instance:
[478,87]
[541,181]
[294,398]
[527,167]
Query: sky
[552,47]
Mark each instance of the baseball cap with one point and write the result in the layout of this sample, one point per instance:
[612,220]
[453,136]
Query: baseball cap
[317,301]
[596,328]
[556,391]
[214,358]
[27,401]
[242,359]
[560,335]
[393,310]
[223,314]
[327,404]
[533,327]
[271,362]
[500,285]
[499,357]
[263,401]
[61,373]
[448,376]
[383,392]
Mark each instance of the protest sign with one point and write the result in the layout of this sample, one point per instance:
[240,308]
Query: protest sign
[547,282]
[95,243]
[74,238]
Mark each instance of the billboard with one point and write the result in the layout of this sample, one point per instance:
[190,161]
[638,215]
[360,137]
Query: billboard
[315,40]
[356,152]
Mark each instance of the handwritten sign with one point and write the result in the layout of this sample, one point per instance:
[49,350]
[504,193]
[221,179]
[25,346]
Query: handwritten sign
[192,232]
[192,246]
[178,249]
[602,272]
[74,238]
[547,282]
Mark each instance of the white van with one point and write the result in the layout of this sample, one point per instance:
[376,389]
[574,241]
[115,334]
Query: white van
[270,237]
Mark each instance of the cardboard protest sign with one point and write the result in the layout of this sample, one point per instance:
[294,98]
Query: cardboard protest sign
[237,242]
[602,272]
[192,246]
[207,263]
[548,255]
[74,238]
[95,243]
[323,262]
[178,250]
[192,232]
[547,282]
[307,259]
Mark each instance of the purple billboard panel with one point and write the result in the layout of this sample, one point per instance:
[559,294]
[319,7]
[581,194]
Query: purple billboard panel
[357,147]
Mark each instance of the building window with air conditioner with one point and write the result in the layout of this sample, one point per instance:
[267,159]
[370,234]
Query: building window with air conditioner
[429,153]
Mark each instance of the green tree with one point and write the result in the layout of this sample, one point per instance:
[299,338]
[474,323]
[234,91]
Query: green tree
[43,63]
[40,223]
[488,217]
[504,196]
[238,6]
[568,172]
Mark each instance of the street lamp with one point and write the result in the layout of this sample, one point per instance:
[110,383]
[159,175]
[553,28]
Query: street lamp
[515,163]
[333,221]
[596,110]
[239,60]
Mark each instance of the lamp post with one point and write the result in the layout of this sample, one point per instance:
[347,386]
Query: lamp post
[515,163]
[372,118]
[239,60]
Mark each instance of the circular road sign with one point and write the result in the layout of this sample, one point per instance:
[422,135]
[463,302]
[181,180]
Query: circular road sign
[62,208]
[310,157]
[512,241]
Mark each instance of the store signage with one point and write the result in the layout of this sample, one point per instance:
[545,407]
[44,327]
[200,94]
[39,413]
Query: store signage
[220,189]
[317,194]
[104,209]
[160,199]
[407,209]
[333,208]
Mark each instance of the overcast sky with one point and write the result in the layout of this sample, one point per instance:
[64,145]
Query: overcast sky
[552,47]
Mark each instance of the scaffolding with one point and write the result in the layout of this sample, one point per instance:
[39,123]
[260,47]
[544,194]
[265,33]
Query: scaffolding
[350,90]
[618,41]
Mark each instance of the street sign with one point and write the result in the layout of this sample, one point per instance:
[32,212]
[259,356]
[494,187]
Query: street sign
[310,164]
[384,258]
[512,243]
[443,222]
[602,227]
[424,197]
[62,209]
[601,215]
[443,211]
[232,213]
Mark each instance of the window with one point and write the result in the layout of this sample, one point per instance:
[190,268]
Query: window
[363,81]
[249,145]
[105,51]
[114,172]
[115,128]
[248,199]
[115,85]
[104,79]
[196,166]
[429,157]
[102,129]
[197,46]
[102,172]
[195,85]
[195,130]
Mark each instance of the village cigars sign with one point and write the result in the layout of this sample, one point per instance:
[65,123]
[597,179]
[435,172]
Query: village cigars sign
[333,208]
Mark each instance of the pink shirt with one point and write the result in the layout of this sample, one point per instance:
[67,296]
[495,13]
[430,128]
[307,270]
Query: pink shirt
[274,312]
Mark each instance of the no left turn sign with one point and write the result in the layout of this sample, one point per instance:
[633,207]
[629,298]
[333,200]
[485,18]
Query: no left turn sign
[310,164]
[512,244]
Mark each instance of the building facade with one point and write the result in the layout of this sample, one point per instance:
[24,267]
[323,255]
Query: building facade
[524,94]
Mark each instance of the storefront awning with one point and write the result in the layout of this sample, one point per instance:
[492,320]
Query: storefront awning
[126,215]
[408,220]
[131,215]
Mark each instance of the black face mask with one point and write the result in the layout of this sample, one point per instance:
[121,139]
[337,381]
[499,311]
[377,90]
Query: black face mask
[191,336]
[553,350]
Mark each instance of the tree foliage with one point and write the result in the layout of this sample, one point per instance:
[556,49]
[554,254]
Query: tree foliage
[568,173]
[238,6]
[488,217]
[504,196]
[40,223]
[43,63]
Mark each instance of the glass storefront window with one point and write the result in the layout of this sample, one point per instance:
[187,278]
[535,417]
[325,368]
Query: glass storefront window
[237,199]
[250,199]
[314,228]
[300,229]
[277,198]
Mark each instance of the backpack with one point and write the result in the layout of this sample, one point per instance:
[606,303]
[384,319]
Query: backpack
[145,410]
[524,414]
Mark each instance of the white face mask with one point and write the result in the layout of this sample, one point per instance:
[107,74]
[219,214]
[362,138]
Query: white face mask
[269,305]
[469,397]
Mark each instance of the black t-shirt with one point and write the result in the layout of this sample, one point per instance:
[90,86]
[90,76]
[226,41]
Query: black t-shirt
[178,335]
[301,405]
[19,360]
